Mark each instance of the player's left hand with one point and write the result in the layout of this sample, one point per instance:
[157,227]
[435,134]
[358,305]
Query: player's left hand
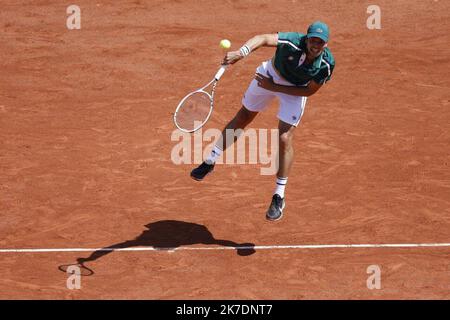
[265,82]
[232,57]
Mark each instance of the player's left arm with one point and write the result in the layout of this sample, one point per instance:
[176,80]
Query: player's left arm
[262,40]
[268,84]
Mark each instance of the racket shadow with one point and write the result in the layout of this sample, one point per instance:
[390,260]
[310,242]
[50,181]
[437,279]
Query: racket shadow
[169,235]
[76,268]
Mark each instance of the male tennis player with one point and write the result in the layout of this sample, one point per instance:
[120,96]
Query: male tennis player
[300,67]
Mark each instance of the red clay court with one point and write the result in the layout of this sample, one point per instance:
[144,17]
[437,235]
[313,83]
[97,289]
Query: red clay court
[85,126]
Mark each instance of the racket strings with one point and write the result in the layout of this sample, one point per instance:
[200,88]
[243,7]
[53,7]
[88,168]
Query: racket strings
[195,110]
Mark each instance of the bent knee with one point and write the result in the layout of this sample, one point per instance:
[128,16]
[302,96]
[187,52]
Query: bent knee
[286,139]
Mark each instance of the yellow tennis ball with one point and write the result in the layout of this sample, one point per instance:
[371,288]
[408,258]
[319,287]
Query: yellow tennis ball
[225,44]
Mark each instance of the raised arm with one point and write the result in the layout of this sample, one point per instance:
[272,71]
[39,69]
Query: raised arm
[262,40]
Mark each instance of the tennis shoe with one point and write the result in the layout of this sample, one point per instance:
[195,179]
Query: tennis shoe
[275,211]
[201,171]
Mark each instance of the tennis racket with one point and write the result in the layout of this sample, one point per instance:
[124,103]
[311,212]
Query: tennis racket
[194,110]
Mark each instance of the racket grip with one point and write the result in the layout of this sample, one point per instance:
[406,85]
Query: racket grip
[219,73]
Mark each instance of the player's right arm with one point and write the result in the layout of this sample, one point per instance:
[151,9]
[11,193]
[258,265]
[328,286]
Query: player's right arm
[262,40]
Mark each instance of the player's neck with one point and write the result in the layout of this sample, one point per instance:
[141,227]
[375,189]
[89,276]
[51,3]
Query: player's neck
[309,59]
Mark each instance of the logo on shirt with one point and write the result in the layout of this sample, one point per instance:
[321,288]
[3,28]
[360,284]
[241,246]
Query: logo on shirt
[302,59]
[290,58]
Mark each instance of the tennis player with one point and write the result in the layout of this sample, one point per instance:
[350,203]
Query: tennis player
[302,64]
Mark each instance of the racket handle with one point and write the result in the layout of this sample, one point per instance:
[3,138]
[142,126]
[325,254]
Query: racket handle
[219,73]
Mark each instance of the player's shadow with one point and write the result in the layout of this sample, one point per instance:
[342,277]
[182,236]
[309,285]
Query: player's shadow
[172,234]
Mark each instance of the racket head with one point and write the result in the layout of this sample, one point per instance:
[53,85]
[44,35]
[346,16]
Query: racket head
[193,111]
[76,268]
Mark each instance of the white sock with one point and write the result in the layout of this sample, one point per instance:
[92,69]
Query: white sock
[215,153]
[281,184]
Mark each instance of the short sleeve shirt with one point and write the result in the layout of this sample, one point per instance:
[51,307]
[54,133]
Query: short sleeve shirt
[290,60]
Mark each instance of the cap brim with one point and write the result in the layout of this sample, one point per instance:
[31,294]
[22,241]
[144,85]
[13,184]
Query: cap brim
[317,35]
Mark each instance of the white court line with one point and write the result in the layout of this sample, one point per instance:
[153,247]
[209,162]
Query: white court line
[319,246]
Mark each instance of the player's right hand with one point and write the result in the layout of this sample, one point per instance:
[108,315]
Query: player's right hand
[232,57]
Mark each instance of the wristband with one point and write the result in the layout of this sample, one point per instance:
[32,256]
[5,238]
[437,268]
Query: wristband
[244,50]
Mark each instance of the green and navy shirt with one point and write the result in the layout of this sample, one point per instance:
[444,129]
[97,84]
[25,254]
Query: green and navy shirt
[290,57]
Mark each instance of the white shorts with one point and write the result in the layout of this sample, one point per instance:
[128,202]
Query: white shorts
[257,99]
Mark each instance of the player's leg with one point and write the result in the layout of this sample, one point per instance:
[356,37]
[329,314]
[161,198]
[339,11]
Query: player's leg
[228,136]
[243,118]
[286,150]
[256,99]
[285,160]
[291,111]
